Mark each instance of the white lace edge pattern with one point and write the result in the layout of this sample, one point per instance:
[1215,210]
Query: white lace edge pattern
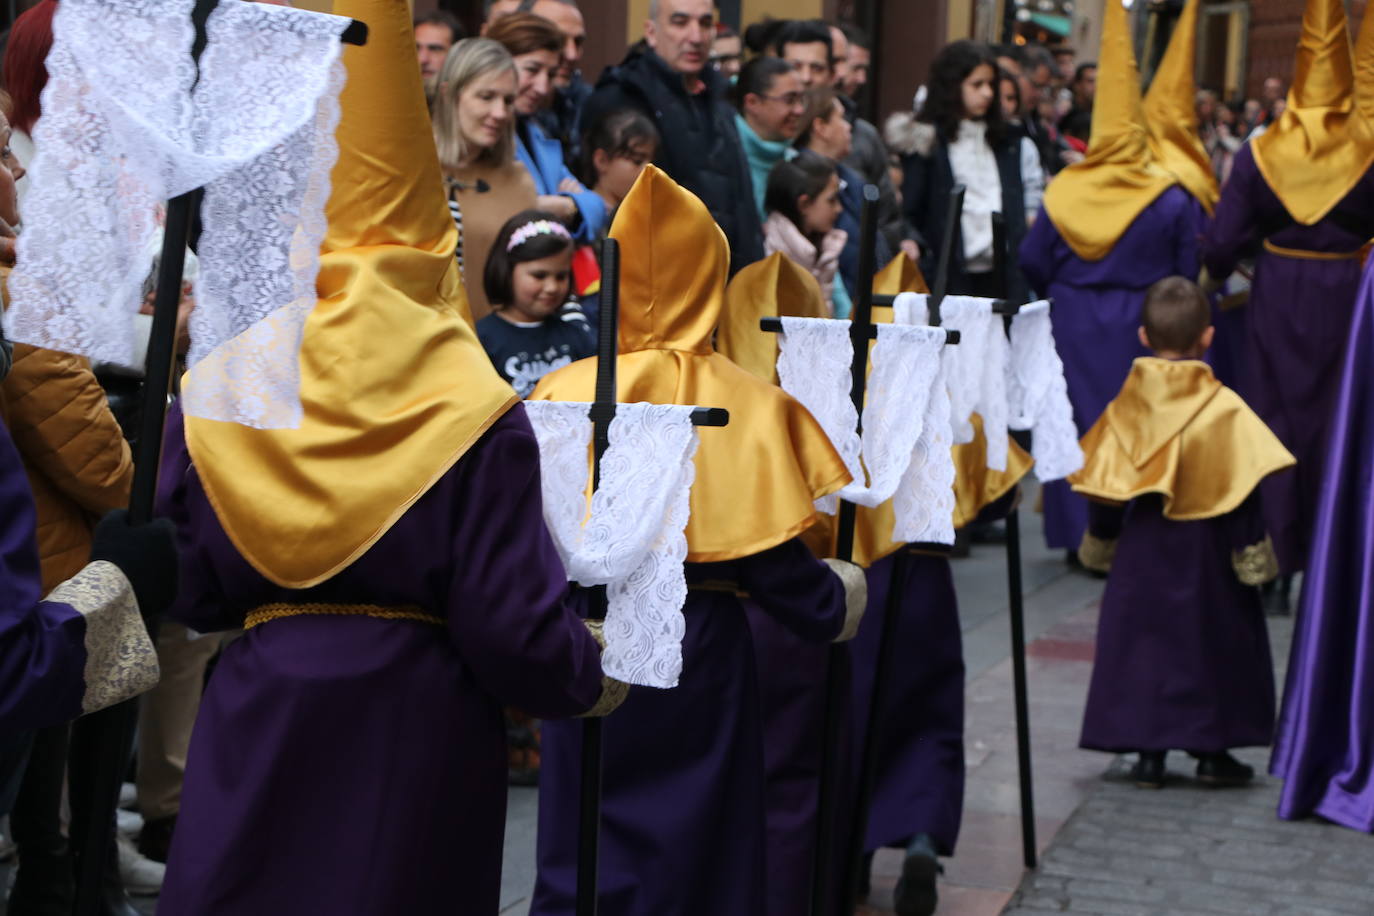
[632,536]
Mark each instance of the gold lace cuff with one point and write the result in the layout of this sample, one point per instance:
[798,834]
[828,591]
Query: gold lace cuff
[1256,564]
[855,595]
[613,692]
[121,662]
[1096,553]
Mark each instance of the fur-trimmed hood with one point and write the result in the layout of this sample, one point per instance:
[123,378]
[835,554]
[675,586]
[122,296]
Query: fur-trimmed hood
[906,135]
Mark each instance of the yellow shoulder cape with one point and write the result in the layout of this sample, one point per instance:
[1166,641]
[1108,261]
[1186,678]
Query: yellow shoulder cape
[1177,431]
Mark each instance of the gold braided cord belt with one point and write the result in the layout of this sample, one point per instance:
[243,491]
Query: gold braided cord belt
[1299,254]
[262,614]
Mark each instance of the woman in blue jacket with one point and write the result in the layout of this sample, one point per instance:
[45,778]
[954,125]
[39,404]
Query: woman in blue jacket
[535,43]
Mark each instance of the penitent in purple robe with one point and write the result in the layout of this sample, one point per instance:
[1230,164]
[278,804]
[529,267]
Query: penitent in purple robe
[349,764]
[1183,657]
[42,643]
[919,781]
[1096,315]
[1325,745]
[682,813]
[1298,325]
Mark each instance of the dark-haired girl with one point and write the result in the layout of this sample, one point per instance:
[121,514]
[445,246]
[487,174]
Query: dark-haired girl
[527,278]
[959,137]
[803,204]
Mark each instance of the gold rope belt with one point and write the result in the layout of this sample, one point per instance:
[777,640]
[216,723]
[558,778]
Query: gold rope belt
[1302,255]
[266,612]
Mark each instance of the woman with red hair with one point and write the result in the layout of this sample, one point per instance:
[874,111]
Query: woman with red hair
[25,73]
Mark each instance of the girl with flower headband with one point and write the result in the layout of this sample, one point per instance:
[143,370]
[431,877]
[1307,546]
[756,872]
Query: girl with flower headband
[533,328]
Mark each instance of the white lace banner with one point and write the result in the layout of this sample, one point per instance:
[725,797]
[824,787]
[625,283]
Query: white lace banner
[633,539]
[128,125]
[890,460]
[1038,396]
[976,368]
[924,503]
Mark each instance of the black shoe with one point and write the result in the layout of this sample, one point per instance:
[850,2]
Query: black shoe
[916,894]
[155,839]
[1148,772]
[1223,770]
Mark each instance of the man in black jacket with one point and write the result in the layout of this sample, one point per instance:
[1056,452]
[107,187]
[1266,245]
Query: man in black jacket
[667,78]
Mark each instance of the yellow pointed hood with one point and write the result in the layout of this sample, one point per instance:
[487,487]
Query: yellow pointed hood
[1171,114]
[757,478]
[901,275]
[1322,144]
[394,384]
[775,286]
[1093,202]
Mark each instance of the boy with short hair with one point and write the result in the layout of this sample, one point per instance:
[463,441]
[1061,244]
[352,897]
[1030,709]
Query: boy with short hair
[1172,467]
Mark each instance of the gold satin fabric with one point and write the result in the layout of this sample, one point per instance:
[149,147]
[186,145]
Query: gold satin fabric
[775,286]
[1093,202]
[1171,114]
[510,190]
[757,478]
[1177,431]
[394,384]
[901,275]
[1323,143]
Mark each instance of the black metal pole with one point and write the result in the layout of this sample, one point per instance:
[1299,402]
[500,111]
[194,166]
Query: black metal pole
[860,328]
[1016,603]
[603,411]
[887,638]
[108,734]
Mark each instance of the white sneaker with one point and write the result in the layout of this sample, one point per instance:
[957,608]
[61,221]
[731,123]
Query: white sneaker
[128,822]
[142,876]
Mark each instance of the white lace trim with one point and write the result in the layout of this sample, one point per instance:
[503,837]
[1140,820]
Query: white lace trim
[634,539]
[1038,396]
[126,126]
[977,370]
[893,458]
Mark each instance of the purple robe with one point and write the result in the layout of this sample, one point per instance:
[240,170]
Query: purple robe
[919,784]
[1182,651]
[1298,324]
[42,643]
[349,764]
[1325,745]
[1096,315]
[792,674]
[682,814]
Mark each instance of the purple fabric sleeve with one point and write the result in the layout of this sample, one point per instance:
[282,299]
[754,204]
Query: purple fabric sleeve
[516,630]
[42,644]
[796,589]
[1037,252]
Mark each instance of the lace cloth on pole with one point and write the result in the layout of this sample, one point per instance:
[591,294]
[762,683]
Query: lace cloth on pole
[976,371]
[127,124]
[634,539]
[1038,396]
[897,446]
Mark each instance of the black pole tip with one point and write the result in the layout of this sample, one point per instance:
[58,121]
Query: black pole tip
[355,33]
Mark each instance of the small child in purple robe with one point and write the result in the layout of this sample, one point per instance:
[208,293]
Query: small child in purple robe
[1173,467]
